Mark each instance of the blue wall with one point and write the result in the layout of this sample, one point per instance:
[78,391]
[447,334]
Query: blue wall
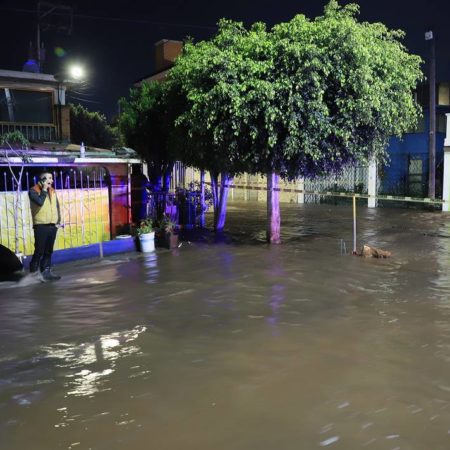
[93,251]
[395,177]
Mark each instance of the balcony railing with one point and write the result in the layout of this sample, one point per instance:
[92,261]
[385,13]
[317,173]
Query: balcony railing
[33,132]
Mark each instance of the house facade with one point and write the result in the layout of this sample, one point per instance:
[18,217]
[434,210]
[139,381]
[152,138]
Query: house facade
[93,184]
[34,104]
[407,171]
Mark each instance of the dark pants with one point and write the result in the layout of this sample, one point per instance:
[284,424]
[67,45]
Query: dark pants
[44,239]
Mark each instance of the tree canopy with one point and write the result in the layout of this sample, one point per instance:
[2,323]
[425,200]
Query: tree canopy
[220,80]
[342,88]
[303,99]
[147,125]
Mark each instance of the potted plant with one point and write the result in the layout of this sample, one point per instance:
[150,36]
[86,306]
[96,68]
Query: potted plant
[146,236]
[168,233]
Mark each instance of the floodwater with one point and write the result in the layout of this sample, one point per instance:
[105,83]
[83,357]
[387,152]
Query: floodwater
[238,345]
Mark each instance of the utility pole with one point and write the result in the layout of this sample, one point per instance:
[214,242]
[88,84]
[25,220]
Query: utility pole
[46,12]
[432,127]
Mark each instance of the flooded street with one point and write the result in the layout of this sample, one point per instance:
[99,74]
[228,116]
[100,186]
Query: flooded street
[238,345]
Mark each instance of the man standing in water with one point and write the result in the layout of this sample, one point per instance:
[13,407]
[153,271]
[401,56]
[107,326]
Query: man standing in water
[46,219]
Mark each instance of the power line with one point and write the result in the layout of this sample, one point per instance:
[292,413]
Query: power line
[117,19]
[84,100]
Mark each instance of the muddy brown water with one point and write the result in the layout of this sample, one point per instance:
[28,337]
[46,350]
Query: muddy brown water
[239,345]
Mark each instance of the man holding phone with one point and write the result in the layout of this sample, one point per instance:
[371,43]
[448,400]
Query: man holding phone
[46,221]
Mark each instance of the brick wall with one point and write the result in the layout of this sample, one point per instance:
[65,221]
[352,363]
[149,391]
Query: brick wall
[165,53]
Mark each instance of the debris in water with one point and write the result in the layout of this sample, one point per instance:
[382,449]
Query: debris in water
[327,428]
[329,441]
[372,252]
[343,405]
[393,436]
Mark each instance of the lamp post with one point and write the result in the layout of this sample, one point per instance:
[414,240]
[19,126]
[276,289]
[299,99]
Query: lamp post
[432,127]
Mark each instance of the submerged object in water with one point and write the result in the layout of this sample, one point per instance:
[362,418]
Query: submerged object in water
[372,252]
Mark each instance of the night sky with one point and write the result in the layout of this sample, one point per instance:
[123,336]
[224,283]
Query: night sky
[114,39]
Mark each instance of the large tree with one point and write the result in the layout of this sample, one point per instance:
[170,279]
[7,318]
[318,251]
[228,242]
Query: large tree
[307,98]
[339,89]
[217,80]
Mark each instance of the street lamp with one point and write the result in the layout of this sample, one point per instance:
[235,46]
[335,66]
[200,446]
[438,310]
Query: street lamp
[76,72]
[72,74]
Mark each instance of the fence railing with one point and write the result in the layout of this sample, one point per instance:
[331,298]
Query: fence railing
[182,207]
[84,204]
[352,179]
[33,132]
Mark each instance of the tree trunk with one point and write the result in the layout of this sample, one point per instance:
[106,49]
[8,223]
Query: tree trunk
[220,199]
[202,199]
[167,177]
[154,176]
[273,209]
[215,194]
[225,180]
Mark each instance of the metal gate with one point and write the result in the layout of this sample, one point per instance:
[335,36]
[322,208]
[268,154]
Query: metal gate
[83,195]
[351,179]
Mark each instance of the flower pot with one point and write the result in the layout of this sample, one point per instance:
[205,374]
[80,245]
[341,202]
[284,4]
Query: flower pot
[172,240]
[166,240]
[147,242]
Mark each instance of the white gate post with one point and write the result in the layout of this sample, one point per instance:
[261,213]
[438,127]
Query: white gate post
[301,187]
[447,137]
[446,181]
[372,184]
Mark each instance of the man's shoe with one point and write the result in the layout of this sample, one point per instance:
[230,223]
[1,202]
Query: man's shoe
[39,276]
[48,275]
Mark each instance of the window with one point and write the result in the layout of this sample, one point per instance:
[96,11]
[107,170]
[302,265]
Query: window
[441,123]
[25,106]
[444,94]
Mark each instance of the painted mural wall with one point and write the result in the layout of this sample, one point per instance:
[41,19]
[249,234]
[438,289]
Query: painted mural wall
[85,216]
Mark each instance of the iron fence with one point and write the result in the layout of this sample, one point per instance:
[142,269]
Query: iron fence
[83,195]
[182,207]
[33,132]
[351,179]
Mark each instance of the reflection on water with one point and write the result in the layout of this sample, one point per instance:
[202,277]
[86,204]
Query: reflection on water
[91,363]
[151,268]
[239,345]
